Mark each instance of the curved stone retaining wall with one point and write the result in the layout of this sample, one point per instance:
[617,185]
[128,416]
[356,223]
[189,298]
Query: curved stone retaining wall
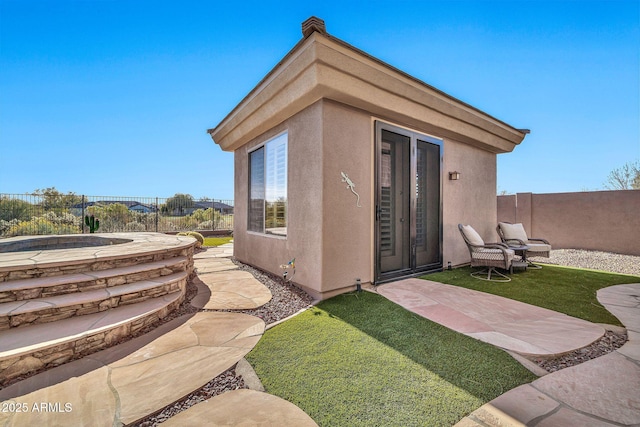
[59,304]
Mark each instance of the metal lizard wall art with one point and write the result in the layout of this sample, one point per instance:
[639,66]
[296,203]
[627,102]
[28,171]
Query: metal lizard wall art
[350,186]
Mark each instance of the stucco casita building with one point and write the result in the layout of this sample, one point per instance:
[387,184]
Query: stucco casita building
[357,170]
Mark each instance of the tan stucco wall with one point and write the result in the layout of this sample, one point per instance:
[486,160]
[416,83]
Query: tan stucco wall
[304,214]
[327,94]
[331,238]
[469,200]
[348,229]
[597,220]
[507,208]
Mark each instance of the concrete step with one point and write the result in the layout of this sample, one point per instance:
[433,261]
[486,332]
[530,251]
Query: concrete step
[42,287]
[46,345]
[53,308]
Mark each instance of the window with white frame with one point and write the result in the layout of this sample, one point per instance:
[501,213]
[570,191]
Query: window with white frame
[268,187]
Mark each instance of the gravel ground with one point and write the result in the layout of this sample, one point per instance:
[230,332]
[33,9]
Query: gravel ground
[594,260]
[608,343]
[604,261]
[286,300]
[227,381]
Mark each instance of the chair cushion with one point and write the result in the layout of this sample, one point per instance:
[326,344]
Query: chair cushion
[472,235]
[493,254]
[538,247]
[513,231]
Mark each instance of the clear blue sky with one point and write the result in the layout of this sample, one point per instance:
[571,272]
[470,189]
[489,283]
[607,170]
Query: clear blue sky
[114,97]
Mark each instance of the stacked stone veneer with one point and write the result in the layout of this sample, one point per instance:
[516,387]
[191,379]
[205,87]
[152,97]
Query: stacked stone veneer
[55,355]
[92,280]
[44,293]
[83,266]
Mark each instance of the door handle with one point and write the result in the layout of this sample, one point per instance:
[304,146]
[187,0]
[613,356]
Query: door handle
[378,212]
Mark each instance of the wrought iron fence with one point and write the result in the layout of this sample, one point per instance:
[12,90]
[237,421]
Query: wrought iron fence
[57,213]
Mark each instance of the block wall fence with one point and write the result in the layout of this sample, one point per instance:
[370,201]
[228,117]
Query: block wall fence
[597,220]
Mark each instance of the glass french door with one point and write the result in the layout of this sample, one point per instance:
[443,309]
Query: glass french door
[408,203]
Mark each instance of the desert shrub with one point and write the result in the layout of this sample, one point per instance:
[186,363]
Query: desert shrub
[188,223]
[53,200]
[113,217]
[11,209]
[49,223]
[206,225]
[5,226]
[40,225]
[225,222]
[209,219]
[202,215]
[147,219]
[182,223]
[64,218]
[166,225]
[199,237]
[178,204]
[135,226]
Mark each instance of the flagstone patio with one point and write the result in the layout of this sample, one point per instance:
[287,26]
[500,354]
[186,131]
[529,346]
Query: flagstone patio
[130,381]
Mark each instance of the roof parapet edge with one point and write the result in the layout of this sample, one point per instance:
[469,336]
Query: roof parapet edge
[316,25]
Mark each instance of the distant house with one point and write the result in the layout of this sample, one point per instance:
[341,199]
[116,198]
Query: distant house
[356,169]
[140,207]
[222,208]
[131,205]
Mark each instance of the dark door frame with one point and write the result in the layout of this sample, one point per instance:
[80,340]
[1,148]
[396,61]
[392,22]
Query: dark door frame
[412,269]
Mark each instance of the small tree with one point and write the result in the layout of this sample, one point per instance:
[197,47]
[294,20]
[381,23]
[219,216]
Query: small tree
[53,200]
[177,204]
[113,217]
[626,177]
[14,209]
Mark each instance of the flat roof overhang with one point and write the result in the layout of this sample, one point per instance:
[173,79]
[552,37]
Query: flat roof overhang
[324,67]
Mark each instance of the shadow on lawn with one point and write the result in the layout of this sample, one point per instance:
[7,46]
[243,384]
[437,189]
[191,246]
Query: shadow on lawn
[479,368]
[567,290]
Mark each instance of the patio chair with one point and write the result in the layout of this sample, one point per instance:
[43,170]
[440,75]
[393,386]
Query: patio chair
[515,235]
[490,255]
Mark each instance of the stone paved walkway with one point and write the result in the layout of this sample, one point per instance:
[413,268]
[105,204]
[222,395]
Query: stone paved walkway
[505,323]
[127,382]
[243,408]
[601,392]
[221,285]
[235,290]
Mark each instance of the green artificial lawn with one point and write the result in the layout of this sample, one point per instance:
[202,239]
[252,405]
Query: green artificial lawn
[567,290]
[361,360]
[216,241]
